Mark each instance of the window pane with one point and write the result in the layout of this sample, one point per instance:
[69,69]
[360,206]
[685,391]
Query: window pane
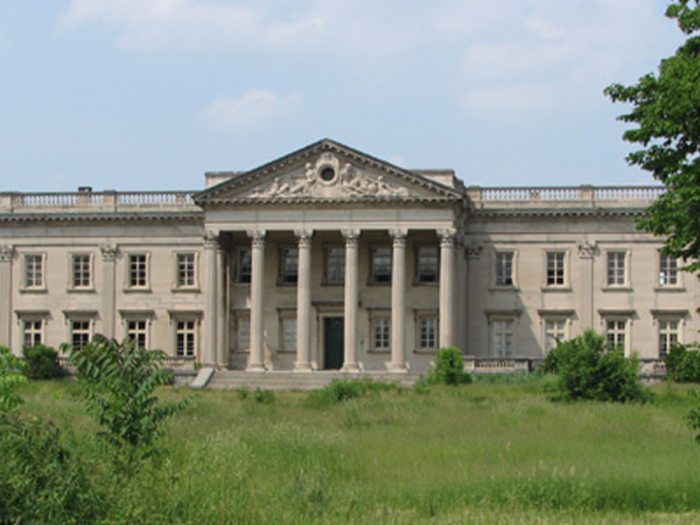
[244,266]
[427,265]
[504,269]
[555,268]
[382,333]
[137,270]
[290,265]
[81,271]
[335,265]
[381,265]
[186,269]
[616,268]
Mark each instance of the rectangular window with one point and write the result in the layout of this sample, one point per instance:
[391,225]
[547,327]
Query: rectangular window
[380,272]
[556,275]
[504,269]
[668,270]
[427,267]
[186,270]
[616,333]
[335,265]
[381,333]
[81,271]
[502,337]
[668,336]
[554,333]
[138,270]
[34,271]
[289,334]
[243,333]
[32,332]
[617,275]
[186,338]
[80,333]
[137,331]
[289,270]
[243,266]
[427,333]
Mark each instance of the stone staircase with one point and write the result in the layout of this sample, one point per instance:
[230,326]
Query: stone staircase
[231,380]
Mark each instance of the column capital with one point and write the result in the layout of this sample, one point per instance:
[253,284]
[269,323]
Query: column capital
[447,237]
[304,237]
[351,237]
[473,251]
[586,250]
[211,240]
[6,251]
[399,236]
[109,252]
[257,238]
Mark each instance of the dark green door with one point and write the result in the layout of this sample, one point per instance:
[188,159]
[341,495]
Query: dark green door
[334,335]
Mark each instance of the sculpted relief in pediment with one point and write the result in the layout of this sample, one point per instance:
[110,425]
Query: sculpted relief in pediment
[328,177]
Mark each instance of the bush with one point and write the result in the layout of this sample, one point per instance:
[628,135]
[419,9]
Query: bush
[11,376]
[449,368]
[42,362]
[683,363]
[340,390]
[586,369]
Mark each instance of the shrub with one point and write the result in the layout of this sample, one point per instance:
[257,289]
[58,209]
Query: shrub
[449,368]
[11,376]
[683,363]
[586,369]
[340,390]
[42,362]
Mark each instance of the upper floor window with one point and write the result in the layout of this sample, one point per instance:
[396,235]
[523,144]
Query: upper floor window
[427,264]
[617,268]
[186,270]
[669,332]
[243,266]
[668,271]
[34,271]
[504,269]
[556,268]
[289,265]
[138,270]
[81,270]
[335,265]
[380,270]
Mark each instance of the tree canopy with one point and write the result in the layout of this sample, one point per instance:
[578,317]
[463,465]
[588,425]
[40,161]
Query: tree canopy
[666,110]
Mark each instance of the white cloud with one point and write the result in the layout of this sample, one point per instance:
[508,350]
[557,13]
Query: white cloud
[255,107]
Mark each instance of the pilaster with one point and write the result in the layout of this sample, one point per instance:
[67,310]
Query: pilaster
[303,362]
[351,297]
[211,247]
[256,362]
[398,302]
[447,286]
[109,289]
[6,252]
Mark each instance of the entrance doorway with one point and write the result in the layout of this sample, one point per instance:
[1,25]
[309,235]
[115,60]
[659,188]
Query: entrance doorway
[334,339]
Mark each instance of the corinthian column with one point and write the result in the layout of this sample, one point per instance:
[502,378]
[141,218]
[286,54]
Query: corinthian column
[447,287]
[109,256]
[303,363]
[5,293]
[256,362]
[211,246]
[398,303]
[351,294]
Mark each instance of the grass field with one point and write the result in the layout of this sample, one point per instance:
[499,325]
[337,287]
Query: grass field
[480,453]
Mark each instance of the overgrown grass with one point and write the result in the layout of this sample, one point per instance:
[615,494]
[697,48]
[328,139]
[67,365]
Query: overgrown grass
[480,453]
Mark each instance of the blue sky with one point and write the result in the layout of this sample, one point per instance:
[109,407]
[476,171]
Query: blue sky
[150,94]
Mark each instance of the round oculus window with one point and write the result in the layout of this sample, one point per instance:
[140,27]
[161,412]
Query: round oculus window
[327,174]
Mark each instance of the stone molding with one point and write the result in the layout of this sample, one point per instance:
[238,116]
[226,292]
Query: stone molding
[211,240]
[586,250]
[6,252]
[473,251]
[109,252]
[304,237]
[257,238]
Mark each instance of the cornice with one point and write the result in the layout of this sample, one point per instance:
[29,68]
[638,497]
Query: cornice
[101,217]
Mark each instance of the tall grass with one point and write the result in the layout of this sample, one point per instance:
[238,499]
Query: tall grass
[482,453]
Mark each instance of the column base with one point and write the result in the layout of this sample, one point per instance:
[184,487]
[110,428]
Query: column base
[397,368]
[256,367]
[303,367]
[352,368]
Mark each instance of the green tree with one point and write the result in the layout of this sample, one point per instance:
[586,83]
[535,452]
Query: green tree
[11,376]
[666,110]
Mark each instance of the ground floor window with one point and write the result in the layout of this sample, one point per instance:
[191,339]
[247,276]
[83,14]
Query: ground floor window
[80,333]
[668,335]
[381,334]
[186,338]
[288,333]
[32,332]
[137,331]
[242,335]
[502,337]
[427,332]
[616,333]
[554,333]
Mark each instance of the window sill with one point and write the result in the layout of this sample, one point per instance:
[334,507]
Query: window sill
[670,289]
[185,290]
[327,283]
[241,285]
[81,290]
[555,289]
[379,352]
[614,289]
[287,352]
[373,283]
[425,351]
[511,288]
[33,290]
[136,290]
[430,283]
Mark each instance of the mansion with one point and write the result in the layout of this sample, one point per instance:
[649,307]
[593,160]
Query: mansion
[330,259]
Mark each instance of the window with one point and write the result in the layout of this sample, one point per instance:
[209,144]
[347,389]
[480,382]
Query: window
[669,331]
[617,273]
[32,332]
[427,267]
[504,269]
[186,270]
[137,331]
[554,333]
[616,333]
[34,271]
[289,333]
[335,265]
[427,332]
[138,270]
[81,271]
[502,337]
[242,332]
[289,265]
[556,275]
[243,266]
[380,272]
[186,337]
[80,333]
[381,334]
[668,271]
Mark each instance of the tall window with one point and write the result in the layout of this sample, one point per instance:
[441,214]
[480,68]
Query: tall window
[81,277]
[504,269]
[380,271]
[668,336]
[80,333]
[244,265]
[289,334]
[137,331]
[186,338]
[34,271]
[186,270]
[138,270]
[32,332]
[556,275]
[616,333]
[335,265]
[289,269]
[381,333]
[554,332]
[668,270]
[427,266]
[617,275]
[502,337]
[427,332]
[242,333]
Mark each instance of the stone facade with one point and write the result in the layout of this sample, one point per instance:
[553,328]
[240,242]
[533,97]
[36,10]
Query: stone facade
[328,258]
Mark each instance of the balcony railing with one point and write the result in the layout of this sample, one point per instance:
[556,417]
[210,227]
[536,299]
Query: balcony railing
[572,195]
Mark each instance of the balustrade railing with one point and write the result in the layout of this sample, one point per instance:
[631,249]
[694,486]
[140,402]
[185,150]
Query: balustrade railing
[565,194]
[108,200]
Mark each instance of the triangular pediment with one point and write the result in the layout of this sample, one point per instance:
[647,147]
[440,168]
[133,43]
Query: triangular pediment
[327,171]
